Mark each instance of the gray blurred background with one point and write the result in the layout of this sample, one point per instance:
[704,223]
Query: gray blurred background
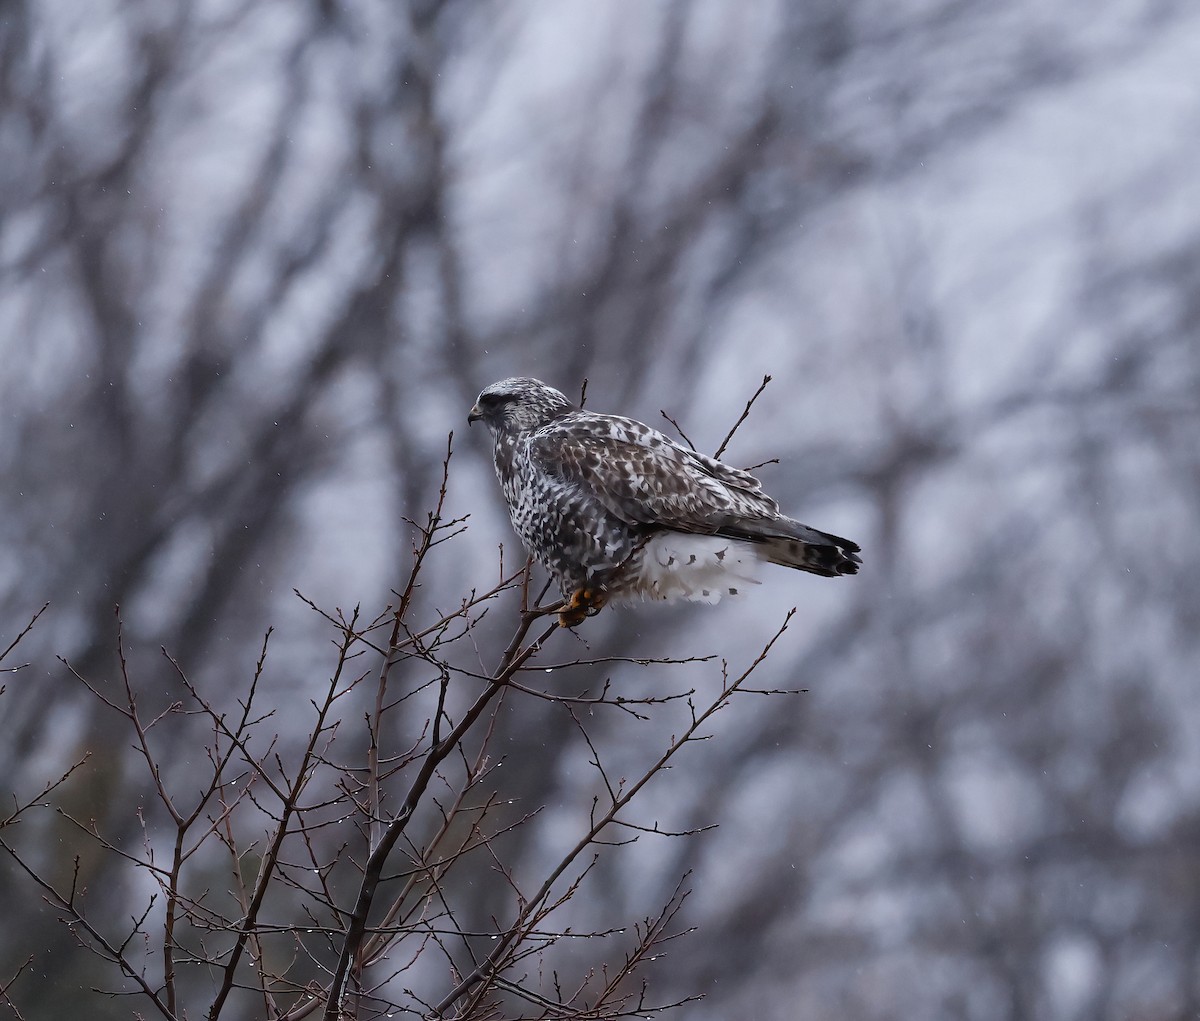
[258,256]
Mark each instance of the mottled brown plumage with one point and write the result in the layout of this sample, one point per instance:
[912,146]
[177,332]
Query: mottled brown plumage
[617,510]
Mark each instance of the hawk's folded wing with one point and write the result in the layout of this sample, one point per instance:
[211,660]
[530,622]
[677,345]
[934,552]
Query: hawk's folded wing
[645,478]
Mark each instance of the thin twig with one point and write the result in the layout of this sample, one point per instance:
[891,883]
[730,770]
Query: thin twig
[4,997]
[678,429]
[745,414]
[16,641]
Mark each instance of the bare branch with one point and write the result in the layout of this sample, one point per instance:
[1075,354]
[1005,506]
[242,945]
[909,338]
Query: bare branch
[745,414]
[523,924]
[679,429]
[16,641]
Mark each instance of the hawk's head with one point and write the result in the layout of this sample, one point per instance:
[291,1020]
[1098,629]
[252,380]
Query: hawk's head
[518,404]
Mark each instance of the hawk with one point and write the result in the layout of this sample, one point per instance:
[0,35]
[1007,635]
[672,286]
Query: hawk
[617,510]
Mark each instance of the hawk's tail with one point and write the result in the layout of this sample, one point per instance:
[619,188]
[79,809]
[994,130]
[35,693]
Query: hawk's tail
[791,544]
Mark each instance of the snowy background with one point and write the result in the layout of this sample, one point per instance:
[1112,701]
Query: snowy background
[257,258]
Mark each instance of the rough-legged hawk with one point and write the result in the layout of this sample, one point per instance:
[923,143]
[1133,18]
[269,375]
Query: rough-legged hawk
[617,510]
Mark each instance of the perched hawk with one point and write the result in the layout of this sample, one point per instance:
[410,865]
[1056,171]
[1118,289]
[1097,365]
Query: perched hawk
[617,510]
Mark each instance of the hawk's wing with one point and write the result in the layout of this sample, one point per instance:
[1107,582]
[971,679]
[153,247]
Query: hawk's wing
[645,478]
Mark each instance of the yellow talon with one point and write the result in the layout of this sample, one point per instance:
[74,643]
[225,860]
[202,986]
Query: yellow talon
[584,602]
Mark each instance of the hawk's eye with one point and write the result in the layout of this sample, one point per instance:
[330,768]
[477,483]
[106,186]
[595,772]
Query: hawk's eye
[492,401]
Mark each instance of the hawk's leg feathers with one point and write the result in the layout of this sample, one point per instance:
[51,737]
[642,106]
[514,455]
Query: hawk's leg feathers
[584,602]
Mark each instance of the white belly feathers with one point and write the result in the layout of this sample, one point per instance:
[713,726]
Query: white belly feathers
[699,568]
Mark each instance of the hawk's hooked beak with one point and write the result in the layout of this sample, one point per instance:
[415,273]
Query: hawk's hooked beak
[475,415]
